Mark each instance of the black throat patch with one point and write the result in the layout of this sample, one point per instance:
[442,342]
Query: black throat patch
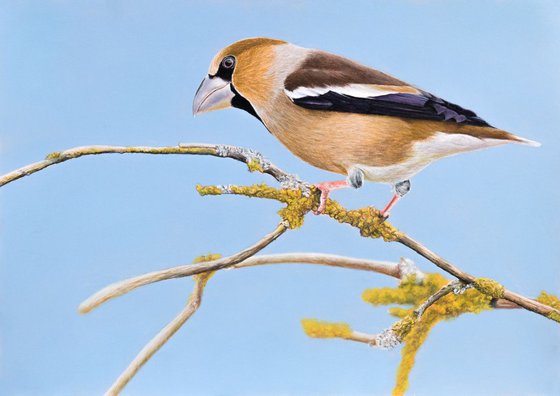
[240,102]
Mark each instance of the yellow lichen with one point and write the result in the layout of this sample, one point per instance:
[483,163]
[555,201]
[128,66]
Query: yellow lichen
[489,287]
[413,341]
[554,316]
[368,220]
[54,155]
[186,149]
[551,301]
[208,190]
[413,330]
[448,307]
[403,326]
[254,165]
[318,329]
[203,277]
[408,291]
[207,257]
[400,312]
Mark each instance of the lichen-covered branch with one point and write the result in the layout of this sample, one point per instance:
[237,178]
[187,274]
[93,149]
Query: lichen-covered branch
[426,303]
[492,288]
[371,224]
[367,220]
[320,329]
[444,291]
[429,297]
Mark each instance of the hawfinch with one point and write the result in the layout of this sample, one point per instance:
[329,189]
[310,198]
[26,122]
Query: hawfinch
[341,116]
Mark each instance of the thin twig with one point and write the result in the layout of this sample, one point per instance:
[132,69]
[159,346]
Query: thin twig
[120,288]
[518,299]
[240,260]
[378,339]
[400,270]
[444,291]
[162,337]
[390,338]
[248,156]
[504,304]
[382,267]
[358,336]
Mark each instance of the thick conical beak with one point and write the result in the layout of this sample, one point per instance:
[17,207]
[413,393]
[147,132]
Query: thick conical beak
[214,93]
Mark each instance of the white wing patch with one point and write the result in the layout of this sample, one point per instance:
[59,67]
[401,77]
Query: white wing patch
[354,90]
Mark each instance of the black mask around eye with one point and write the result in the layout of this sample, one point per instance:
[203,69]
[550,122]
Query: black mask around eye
[227,65]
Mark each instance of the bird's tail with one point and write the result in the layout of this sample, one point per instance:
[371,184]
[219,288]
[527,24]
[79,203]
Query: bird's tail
[527,142]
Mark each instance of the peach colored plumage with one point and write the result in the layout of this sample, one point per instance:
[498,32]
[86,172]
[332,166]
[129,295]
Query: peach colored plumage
[341,116]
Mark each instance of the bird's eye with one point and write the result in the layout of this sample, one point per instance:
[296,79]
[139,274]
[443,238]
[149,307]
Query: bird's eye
[228,62]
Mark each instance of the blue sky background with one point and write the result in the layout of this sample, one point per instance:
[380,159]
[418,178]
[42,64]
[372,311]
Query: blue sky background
[123,72]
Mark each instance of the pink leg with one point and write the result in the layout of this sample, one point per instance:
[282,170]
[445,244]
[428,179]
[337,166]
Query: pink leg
[392,202]
[326,188]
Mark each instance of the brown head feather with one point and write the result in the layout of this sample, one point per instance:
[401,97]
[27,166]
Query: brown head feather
[254,57]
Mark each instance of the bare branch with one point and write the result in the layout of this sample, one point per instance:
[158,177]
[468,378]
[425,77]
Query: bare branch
[504,304]
[381,267]
[162,337]
[125,286]
[387,268]
[253,159]
[120,288]
[370,339]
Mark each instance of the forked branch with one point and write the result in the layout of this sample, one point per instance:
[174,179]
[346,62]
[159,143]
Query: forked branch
[300,199]
[367,220]
[163,336]
[120,288]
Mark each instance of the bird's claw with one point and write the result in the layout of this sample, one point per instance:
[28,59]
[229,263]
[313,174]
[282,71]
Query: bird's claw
[384,216]
[322,199]
[325,189]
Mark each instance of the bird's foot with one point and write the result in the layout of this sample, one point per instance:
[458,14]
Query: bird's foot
[399,190]
[384,215]
[386,211]
[325,189]
[323,199]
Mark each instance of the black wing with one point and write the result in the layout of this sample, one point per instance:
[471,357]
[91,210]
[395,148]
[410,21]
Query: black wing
[422,106]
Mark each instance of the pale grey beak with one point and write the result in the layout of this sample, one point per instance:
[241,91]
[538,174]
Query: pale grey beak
[214,93]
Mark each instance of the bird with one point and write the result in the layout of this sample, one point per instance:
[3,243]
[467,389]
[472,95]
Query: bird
[342,116]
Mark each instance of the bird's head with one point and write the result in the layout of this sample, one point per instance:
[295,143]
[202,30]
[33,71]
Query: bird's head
[240,75]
